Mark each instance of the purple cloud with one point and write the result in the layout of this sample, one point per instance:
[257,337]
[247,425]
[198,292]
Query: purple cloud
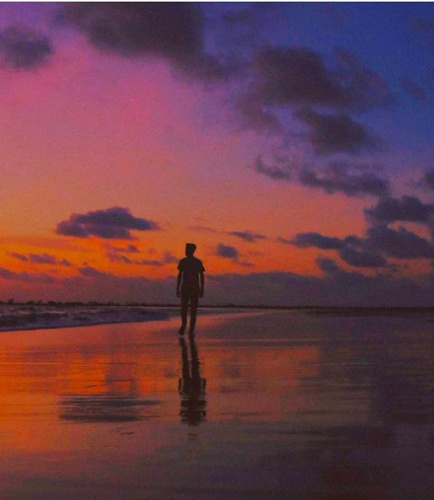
[25,277]
[24,48]
[171,31]
[297,76]
[338,178]
[351,249]
[128,249]
[113,223]
[406,209]
[40,259]
[427,180]
[167,258]
[91,272]
[305,240]
[370,252]
[335,177]
[227,252]
[247,236]
[400,243]
[336,133]
[362,258]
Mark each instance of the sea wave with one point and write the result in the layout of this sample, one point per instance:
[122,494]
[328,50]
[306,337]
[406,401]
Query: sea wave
[31,317]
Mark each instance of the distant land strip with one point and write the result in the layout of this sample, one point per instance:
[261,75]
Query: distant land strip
[323,310]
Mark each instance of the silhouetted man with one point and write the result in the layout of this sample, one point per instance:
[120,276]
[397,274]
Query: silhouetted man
[190,286]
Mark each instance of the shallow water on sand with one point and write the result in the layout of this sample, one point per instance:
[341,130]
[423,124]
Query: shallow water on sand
[276,404]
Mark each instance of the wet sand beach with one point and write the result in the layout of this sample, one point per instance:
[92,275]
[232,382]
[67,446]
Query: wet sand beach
[271,404]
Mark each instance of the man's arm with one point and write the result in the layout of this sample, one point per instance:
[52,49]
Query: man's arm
[202,284]
[178,284]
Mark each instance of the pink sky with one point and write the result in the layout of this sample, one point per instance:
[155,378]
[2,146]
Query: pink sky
[86,130]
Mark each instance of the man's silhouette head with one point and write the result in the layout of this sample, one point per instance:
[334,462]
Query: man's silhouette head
[190,249]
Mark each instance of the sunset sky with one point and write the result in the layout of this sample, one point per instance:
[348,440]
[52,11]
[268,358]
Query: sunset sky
[293,143]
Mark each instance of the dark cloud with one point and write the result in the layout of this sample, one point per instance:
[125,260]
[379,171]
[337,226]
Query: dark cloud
[333,178]
[400,243]
[425,28]
[413,89]
[40,259]
[370,252]
[167,258]
[118,257]
[296,75]
[327,265]
[367,89]
[338,178]
[25,277]
[171,31]
[227,252]
[18,256]
[71,228]
[126,260]
[247,236]
[254,116]
[128,249]
[47,259]
[305,240]
[24,48]
[91,272]
[350,249]
[361,258]
[406,209]
[427,180]
[336,133]
[113,223]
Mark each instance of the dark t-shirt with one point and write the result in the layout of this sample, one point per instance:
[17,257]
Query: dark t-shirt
[191,268]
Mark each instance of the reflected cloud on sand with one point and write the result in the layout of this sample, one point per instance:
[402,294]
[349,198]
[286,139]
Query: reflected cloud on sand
[104,408]
[191,386]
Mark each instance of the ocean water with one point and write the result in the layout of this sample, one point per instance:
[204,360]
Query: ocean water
[288,404]
[39,316]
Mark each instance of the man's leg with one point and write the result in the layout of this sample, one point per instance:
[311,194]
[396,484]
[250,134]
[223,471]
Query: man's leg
[184,309]
[193,311]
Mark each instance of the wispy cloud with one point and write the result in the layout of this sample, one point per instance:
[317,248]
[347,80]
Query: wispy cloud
[332,178]
[39,258]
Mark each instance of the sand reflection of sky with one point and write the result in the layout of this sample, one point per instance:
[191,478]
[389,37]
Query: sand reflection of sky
[321,407]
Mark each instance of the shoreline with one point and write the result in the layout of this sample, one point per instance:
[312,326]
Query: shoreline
[55,317]
[46,316]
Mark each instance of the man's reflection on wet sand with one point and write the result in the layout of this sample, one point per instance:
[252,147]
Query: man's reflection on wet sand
[191,386]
